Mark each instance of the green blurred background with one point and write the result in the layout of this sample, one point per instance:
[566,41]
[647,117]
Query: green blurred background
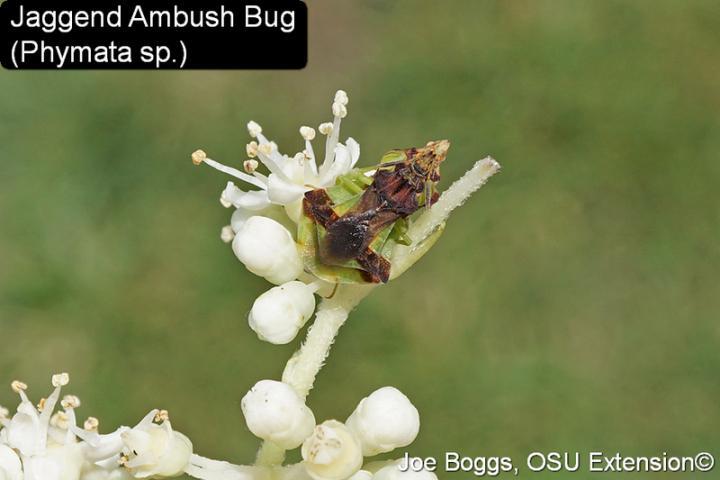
[572,304]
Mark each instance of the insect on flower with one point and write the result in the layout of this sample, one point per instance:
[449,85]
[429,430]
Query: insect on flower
[349,230]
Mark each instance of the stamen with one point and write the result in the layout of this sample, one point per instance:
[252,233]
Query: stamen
[266,149]
[307,133]
[4,413]
[250,166]
[330,144]
[162,416]
[341,97]
[339,110]
[91,424]
[60,379]
[41,404]
[18,386]
[227,234]
[200,156]
[70,401]
[252,149]
[254,129]
[326,128]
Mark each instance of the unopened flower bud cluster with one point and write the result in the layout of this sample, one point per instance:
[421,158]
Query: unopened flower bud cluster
[331,450]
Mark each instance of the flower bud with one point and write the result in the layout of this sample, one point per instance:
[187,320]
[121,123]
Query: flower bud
[393,472]
[275,412]
[278,314]
[154,450]
[384,421]
[332,452]
[10,467]
[267,249]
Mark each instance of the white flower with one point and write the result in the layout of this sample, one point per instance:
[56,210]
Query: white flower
[332,452]
[384,421]
[152,450]
[10,466]
[278,314]
[45,441]
[276,413]
[289,176]
[393,472]
[267,249]
[27,430]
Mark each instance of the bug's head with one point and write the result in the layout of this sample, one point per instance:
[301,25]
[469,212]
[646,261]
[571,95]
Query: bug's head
[427,159]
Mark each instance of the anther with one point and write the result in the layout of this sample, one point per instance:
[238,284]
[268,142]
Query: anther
[254,129]
[339,110]
[250,165]
[252,149]
[326,128]
[307,133]
[18,386]
[162,416]
[91,424]
[198,157]
[227,234]
[70,401]
[60,379]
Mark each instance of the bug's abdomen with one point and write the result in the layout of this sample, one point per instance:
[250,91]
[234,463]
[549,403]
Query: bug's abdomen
[345,239]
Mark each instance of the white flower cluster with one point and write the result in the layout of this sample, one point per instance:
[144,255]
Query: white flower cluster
[263,225]
[40,443]
[333,450]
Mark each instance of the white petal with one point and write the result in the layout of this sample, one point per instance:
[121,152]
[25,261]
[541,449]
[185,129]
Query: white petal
[341,165]
[10,467]
[252,200]
[283,192]
[354,148]
[24,432]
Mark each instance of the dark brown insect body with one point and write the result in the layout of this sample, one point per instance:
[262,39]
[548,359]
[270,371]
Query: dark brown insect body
[399,188]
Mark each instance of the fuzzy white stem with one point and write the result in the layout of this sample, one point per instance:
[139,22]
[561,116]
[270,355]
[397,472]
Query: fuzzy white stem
[427,227]
[304,365]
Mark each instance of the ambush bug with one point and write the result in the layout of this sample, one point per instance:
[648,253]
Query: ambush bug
[347,231]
